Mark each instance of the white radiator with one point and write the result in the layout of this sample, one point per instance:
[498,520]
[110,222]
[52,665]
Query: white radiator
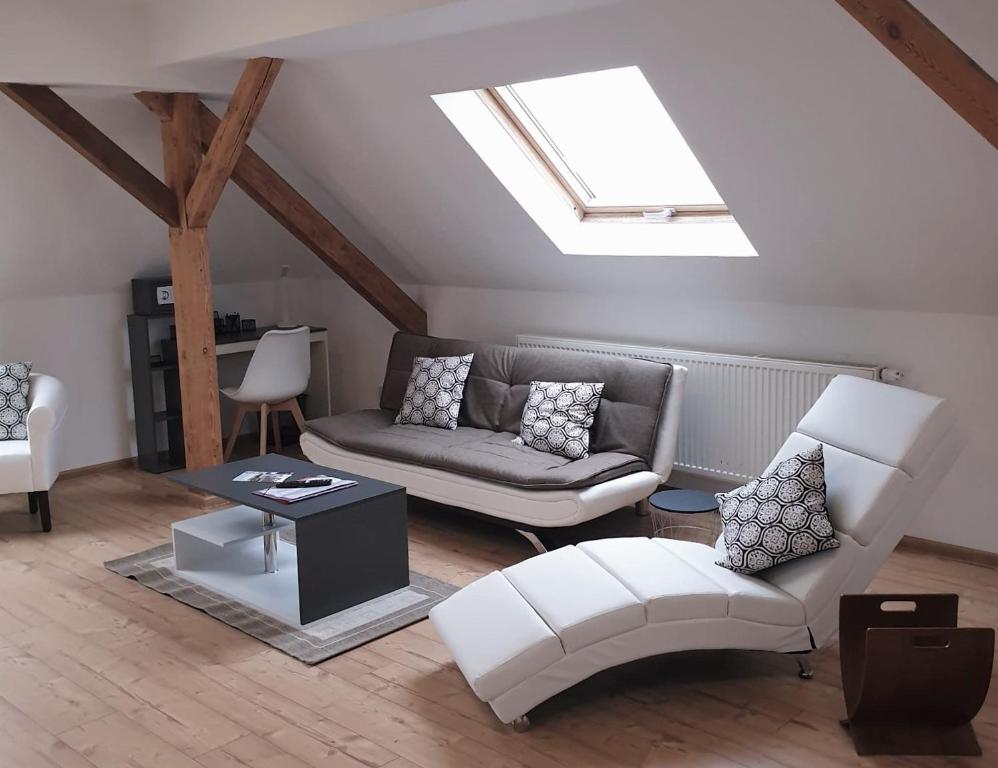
[737,410]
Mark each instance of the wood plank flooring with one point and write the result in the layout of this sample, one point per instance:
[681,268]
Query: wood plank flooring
[96,670]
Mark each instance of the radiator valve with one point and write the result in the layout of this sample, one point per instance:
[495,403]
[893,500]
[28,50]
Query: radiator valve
[891,375]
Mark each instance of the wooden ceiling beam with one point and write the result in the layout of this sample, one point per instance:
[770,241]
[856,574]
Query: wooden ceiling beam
[54,113]
[228,141]
[292,211]
[935,59]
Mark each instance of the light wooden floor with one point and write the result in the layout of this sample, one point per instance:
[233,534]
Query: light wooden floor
[95,670]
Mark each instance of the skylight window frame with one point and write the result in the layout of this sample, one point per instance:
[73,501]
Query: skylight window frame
[513,114]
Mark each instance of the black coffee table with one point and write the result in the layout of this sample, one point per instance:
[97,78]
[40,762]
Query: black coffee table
[351,545]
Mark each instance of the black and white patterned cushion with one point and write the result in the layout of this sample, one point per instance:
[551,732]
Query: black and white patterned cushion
[779,517]
[434,392]
[557,417]
[14,400]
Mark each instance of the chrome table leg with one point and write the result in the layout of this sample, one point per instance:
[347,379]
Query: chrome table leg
[269,544]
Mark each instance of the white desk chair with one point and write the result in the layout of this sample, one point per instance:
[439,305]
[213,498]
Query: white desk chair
[278,372]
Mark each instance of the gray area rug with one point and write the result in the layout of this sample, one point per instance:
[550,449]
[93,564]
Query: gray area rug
[321,640]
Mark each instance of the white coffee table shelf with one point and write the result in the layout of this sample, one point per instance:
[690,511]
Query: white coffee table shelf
[230,526]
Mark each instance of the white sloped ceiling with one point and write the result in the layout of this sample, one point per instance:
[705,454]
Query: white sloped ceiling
[855,183]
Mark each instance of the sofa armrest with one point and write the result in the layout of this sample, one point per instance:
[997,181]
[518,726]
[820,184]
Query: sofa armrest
[664,452]
[46,409]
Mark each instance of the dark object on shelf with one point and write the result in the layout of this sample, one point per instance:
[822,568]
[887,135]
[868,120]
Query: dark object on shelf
[173,331]
[912,680]
[232,324]
[152,296]
[248,325]
[219,323]
[668,505]
[168,350]
[158,418]
[153,423]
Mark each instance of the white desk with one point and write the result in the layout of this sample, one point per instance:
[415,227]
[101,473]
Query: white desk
[319,402]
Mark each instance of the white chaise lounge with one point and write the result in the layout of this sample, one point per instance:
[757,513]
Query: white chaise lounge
[523,634]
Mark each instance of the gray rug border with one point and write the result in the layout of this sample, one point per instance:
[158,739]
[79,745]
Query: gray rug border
[297,643]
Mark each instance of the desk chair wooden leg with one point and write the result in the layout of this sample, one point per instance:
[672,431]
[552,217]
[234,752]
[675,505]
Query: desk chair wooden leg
[275,422]
[296,412]
[236,426]
[264,410]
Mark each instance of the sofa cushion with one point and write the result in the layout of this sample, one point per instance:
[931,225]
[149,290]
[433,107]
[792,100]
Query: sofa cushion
[478,453]
[14,378]
[496,390]
[779,517]
[434,392]
[558,416]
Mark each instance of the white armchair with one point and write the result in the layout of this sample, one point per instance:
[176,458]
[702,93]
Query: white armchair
[31,466]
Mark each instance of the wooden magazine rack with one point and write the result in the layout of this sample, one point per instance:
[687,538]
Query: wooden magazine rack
[912,680]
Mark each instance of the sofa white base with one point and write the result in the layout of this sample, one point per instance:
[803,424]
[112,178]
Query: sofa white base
[543,509]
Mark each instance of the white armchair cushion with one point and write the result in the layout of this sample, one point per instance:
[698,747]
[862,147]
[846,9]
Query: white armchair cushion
[15,467]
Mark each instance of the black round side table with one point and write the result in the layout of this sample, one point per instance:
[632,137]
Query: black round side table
[685,514]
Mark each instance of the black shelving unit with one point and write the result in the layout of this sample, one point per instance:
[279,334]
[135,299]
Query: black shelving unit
[159,430]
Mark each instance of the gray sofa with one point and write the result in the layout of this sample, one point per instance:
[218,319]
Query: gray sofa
[478,467]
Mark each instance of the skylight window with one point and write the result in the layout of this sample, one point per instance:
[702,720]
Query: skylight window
[595,160]
[607,142]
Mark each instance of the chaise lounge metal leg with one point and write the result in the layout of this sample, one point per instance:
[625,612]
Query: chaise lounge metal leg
[534,540]
[32,503]
[521,724]
[42,500]
[804,669]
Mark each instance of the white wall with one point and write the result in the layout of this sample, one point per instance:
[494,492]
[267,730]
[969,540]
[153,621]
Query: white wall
[943,354]
[83,341]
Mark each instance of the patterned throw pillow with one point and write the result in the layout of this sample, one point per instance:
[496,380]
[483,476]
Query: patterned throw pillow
[435,390]
[14,400]
[779,517]
[557,417]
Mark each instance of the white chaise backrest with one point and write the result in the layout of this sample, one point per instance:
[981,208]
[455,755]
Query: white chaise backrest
[886,448]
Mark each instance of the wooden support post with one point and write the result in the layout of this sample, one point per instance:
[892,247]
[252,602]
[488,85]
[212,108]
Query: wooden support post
[191,274]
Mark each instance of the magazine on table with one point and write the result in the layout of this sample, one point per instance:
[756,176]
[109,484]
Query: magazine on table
[290,495]
[261,477]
